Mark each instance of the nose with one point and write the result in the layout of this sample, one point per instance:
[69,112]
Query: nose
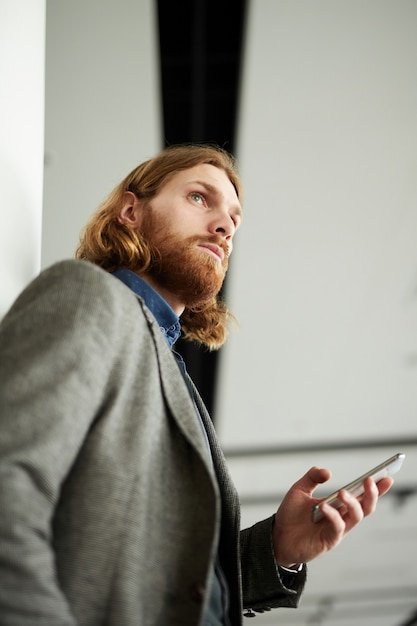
[224,226]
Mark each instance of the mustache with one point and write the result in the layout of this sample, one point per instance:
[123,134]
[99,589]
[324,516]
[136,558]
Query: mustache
[214,239]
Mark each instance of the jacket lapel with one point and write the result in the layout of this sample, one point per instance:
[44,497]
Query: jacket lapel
[229,493]
[175,391]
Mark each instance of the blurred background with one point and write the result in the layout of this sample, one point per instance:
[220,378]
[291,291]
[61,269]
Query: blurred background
[318,101]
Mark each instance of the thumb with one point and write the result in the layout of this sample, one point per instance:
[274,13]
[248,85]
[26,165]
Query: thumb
[311,479]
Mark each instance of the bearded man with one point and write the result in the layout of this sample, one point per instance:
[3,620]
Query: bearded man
[116,504]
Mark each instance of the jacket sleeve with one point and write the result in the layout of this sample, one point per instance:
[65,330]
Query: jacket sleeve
[47,405]
[263,585]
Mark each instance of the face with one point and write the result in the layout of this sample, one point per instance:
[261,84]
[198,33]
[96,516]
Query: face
[190,223]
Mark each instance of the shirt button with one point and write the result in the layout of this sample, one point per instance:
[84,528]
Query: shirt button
[198,592]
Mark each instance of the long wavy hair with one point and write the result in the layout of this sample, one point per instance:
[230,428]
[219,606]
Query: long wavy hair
[109,244]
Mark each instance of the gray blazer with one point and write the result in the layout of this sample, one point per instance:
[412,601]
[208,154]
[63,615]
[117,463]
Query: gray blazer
[111,509]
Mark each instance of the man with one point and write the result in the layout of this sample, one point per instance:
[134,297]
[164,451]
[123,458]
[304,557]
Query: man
[116,505]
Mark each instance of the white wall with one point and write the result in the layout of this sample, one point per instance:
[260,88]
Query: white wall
[323,276]
[102,108]
[323,280]
[22,56]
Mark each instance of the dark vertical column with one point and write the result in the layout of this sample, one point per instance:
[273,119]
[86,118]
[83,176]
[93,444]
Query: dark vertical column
[201,45]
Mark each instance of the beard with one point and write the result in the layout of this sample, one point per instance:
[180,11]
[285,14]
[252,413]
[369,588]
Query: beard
[179,266]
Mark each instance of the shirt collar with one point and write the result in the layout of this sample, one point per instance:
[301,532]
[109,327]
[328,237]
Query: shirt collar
[167,319]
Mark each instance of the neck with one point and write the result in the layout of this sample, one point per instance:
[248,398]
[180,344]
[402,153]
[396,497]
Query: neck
[174,302]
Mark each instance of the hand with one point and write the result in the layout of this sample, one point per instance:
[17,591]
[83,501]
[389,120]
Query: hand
[297,539]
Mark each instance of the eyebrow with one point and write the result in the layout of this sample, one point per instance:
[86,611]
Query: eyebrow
[214,191]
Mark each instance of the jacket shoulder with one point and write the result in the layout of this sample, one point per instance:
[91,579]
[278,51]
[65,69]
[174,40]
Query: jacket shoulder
[76,292]
[79,277]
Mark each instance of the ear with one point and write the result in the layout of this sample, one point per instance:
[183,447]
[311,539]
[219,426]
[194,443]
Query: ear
[131,211]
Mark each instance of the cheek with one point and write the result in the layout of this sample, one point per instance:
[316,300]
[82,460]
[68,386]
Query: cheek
[162,221]
[156,224]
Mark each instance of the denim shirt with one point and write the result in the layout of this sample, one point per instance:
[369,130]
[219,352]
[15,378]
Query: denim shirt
[169,324]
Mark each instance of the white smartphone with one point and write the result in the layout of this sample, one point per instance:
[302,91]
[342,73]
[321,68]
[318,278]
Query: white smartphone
[356,488]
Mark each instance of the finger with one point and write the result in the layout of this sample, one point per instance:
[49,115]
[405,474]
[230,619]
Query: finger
[335,517]
[384,485]
[370,497]
[355,509]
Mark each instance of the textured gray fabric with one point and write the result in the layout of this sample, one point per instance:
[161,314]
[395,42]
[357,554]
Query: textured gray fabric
[110,509]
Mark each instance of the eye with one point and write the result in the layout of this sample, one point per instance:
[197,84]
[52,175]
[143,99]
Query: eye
[236,220]
[196,196]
